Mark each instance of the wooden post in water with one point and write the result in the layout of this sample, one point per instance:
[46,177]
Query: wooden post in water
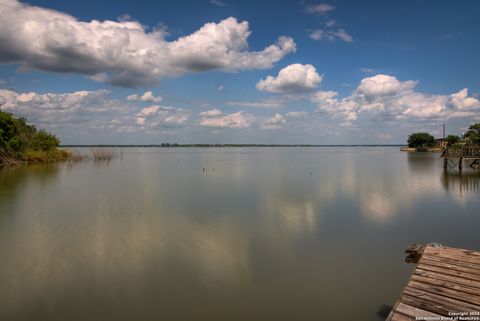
[445,164]
[460,164]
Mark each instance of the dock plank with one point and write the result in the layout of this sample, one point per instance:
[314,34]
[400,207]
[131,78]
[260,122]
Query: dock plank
[445,277]
[432,257]
[413,312]
[446,292]
[446,284]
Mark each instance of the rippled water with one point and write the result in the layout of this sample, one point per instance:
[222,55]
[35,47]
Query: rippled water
[224,234]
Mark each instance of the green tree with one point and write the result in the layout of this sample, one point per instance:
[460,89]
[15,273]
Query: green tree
[22,142]
[421,140]
[473,134]
[42,140]
[452,139]
[15,133]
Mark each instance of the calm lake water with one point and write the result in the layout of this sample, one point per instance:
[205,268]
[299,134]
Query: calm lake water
[225,233]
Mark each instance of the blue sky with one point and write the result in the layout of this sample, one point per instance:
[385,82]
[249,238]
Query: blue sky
[336,72]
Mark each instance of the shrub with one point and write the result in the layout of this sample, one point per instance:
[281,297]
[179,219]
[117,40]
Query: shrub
[452,139]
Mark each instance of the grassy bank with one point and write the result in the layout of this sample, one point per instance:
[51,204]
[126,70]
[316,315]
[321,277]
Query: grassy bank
[34,156]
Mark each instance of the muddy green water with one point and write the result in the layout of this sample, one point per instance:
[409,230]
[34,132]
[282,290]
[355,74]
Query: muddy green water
[224,233]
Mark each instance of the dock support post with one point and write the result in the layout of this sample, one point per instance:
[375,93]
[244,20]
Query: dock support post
[445,164]
[460,163]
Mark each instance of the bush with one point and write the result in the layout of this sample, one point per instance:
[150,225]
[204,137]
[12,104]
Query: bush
[44,141]
[452,139]
[15,133]
[421,140]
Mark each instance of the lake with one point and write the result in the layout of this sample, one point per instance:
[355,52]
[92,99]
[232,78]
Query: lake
[225,233]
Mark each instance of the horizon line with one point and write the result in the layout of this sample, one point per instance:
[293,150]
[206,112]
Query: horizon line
[170,145]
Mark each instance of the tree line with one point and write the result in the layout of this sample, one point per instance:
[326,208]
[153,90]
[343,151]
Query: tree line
[471,137]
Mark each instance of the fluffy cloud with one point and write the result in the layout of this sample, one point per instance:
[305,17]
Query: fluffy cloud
[274,122]
[123,53]
[90,111]
[387,97]
[461,101]
[146,97]
[211,113]
[327,102]
[162,117]
[215,119]
[384,85]
[293,78]
[321,34]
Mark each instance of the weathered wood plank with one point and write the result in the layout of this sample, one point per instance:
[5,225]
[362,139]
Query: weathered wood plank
[450,278]
[419,303]
[447,304]
[400,317]
[445,292]
[449,272]
[456,250]
[449,266]
[431,257]
[414,312]
[446,284]
[463,255]
[451,250]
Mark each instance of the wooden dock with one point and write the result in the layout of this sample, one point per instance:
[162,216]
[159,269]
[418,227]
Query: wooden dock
[453,157]
[445,284]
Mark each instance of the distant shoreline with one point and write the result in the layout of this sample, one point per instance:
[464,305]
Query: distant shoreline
[232,145]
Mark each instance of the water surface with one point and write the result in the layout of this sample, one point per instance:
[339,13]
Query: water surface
[224,233]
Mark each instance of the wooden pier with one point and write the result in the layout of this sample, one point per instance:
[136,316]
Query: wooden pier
[453,157]
[445,284]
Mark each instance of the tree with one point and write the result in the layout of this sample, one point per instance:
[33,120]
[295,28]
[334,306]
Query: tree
[473,134]
[421,140]
[42,140]
[452,139]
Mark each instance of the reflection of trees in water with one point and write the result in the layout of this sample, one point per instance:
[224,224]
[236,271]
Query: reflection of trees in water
[419,163]
[11,179]
[461,181]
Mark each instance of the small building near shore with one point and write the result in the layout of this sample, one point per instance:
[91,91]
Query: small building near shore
[441,142]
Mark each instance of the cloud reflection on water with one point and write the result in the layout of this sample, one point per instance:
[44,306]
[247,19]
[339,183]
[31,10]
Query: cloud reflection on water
[154,222]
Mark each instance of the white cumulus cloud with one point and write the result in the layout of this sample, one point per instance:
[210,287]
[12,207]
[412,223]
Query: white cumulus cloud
[215,119]
[123,53]
[384,97]
[293,78]
[146,97]
[274,122]
[384,85]
[162,116]
[211,113]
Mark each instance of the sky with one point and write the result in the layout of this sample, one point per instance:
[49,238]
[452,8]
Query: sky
[265,72]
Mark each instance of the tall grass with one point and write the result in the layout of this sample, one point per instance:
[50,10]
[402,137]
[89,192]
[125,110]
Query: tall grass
[102,155]
[96,155]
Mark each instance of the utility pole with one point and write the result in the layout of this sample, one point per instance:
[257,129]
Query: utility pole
[443,131]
